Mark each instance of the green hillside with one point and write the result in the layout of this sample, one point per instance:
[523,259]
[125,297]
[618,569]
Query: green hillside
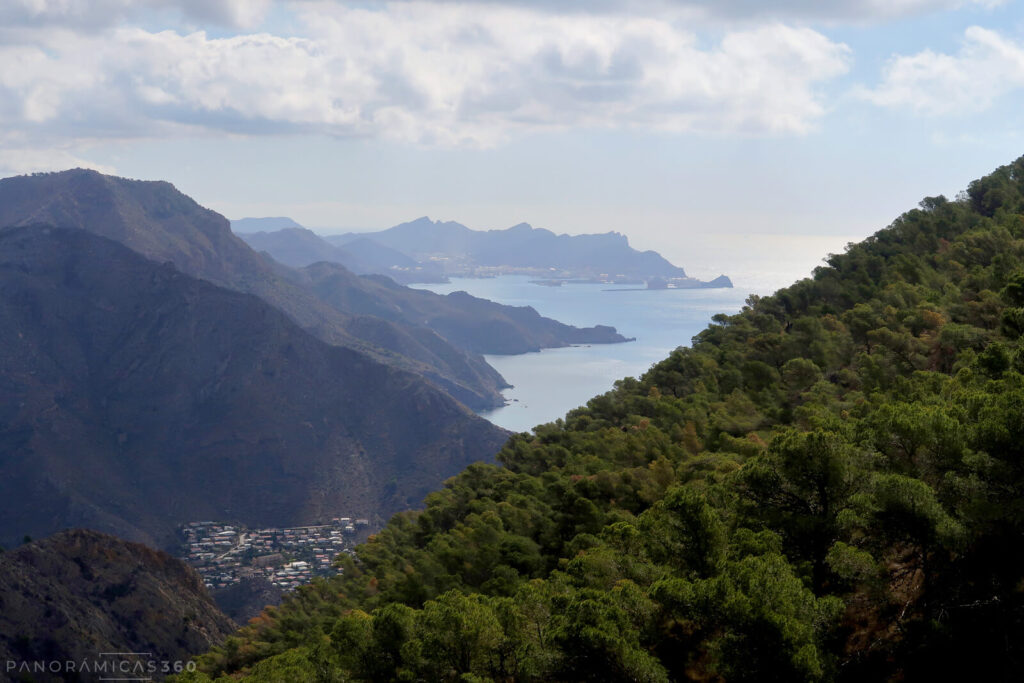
[825,486]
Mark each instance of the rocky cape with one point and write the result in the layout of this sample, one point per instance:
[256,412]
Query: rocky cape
[159,222]
[469,323]
[524,249]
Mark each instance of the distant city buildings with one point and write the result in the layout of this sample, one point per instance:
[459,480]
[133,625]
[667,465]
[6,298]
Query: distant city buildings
[224,554]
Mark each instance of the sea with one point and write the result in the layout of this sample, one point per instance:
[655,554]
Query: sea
[549,383]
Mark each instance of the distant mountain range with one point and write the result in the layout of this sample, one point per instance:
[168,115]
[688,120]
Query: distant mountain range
[162,224]
[521,248]
[136,398]
[468,322]
[157,370]
[298,247]
[159,222]
[246,225]
[425,251]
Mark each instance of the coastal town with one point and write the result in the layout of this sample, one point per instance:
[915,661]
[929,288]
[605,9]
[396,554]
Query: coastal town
[225,554]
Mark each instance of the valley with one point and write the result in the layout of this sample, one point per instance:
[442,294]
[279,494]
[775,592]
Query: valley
[511,342]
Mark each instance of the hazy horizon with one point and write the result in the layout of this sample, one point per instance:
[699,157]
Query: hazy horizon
[794,256]
[719,134]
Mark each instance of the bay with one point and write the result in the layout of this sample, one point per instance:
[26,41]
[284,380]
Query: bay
[549,383]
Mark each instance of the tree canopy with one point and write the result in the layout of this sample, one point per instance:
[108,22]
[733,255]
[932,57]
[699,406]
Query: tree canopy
[825,486]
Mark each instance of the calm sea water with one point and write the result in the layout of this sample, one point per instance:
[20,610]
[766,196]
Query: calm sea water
[550,383]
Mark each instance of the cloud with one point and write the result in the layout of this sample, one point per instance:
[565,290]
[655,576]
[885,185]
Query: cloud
[986,67]
[99,14]
[836,10]
[418,72]
[95,14]
[857,11]
[20,160]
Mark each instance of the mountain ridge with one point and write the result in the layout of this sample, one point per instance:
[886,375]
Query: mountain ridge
[299,247]
[137,398]
[70,597]
[253,225]
[157,221]
[825,486]
[462,251]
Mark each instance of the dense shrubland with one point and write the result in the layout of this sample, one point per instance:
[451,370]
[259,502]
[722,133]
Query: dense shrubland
[825,486]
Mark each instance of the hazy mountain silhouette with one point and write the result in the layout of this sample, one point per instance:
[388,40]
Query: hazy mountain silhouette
[156,220]
[134,398]
[252,225]
[298,247]
[469,322]
[461,250]
[159,222]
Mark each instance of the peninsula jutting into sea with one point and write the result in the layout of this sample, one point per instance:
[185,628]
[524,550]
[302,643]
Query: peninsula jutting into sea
[424,251]
[742,403]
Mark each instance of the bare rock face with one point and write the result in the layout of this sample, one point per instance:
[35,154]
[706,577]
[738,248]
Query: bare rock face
[79,595]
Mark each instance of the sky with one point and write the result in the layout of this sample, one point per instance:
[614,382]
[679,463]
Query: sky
[750,137]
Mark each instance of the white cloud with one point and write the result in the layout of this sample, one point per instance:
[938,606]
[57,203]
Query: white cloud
[20,160]
[856,11]
[420,72]
[985,68]
[845,10]
[249,13]
[94,14]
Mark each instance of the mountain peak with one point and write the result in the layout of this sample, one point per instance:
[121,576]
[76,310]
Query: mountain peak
[268,224]
[125,340]
[524,248]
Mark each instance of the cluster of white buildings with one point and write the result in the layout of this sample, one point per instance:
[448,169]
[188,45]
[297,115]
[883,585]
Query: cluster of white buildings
[224,554]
